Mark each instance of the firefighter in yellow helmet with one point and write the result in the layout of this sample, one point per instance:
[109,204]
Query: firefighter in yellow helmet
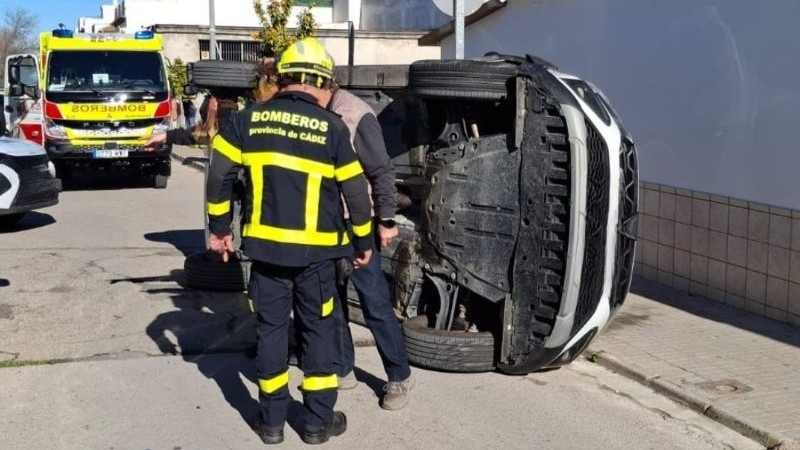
[300,162]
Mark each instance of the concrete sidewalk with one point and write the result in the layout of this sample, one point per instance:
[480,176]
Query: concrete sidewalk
[740,369]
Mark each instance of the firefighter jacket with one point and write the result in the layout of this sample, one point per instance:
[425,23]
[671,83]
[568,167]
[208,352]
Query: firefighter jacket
[299,163]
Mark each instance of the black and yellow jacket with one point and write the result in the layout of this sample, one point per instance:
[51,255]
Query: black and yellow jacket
[299,162]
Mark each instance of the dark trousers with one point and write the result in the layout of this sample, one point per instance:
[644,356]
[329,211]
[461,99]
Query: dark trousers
[376,302]
[311,291]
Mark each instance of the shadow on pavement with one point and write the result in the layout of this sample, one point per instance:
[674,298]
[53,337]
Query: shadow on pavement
[204,327]
[30,221]
[187,242]
[374,383]
[718,312]
[216,331]
[109,181]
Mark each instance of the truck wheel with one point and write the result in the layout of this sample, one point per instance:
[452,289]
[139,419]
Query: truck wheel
[10,220]
[160,181]
[223,74]
[450,351]
[477,79]
[206,271]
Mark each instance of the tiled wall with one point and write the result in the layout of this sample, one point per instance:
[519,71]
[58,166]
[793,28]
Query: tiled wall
[741,253]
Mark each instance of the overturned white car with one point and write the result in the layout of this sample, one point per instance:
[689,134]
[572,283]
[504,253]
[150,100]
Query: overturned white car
[518,188]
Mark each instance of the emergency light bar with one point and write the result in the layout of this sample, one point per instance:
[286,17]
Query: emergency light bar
[63,33]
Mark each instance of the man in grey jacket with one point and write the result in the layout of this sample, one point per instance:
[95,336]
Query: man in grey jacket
[370,282]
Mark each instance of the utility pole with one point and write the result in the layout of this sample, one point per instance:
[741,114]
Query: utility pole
[458,18]
[212,30]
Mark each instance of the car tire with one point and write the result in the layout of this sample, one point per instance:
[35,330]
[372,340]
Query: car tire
[223,74]
[448,351]
[160,181]
[478,79]
[206,272]
[10,220]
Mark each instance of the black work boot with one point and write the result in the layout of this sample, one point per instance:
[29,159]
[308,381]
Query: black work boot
[269,435]
[320,436]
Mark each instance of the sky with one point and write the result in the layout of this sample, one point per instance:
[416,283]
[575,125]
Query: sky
[52,12]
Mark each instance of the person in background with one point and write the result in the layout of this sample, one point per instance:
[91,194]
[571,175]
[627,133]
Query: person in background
[371,285]
[212,107]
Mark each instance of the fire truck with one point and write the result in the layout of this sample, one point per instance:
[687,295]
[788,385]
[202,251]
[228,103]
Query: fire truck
[93,101]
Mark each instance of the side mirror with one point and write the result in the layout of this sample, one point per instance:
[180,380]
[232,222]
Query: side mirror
[31,91]
[13,74]
[16,90]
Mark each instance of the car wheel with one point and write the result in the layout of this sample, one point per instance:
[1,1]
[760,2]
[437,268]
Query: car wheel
[206,271]
[8,221]
[223,74]
[450,351]
[160,181]
[483,79]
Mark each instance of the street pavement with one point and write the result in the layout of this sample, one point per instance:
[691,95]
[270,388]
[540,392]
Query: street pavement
[740,368]
[102,348]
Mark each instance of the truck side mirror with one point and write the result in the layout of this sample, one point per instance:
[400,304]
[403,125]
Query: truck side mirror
[13,74]
[31,91]
[16,90]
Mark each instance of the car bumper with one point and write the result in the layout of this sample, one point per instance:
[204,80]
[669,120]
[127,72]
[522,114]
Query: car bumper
[37,188]
[136,152]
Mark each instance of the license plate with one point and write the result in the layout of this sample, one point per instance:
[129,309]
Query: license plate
[105,154]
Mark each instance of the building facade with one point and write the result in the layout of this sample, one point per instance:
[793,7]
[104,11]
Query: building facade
[709,91]
[184,24]
[190,43]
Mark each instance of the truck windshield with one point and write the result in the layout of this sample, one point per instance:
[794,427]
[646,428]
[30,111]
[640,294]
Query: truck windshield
[106,71]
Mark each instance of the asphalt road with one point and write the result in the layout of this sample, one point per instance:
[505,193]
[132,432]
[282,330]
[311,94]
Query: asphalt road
[90,302]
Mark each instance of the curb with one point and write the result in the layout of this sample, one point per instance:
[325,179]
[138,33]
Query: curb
[192,162]
[695,402]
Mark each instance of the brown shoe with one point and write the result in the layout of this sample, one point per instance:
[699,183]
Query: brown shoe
[396,394]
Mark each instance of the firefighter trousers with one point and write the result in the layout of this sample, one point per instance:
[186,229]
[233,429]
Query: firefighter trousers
[311,293]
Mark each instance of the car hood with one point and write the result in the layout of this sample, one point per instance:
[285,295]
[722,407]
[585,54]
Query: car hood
[19,147]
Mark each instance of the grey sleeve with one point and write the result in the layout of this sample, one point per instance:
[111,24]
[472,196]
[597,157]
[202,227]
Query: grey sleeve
[371,150]
[354,189]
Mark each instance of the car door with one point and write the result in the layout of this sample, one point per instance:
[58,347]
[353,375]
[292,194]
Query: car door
[21,87]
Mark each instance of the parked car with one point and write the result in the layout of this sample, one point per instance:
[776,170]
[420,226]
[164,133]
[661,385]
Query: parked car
[27,180]
[519,193]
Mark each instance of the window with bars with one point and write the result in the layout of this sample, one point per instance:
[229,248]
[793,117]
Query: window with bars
[231,50]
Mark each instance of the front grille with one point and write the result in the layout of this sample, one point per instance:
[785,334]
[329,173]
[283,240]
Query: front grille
[29,166]
[592,274]
[629,223]
[110,125]
[102,146]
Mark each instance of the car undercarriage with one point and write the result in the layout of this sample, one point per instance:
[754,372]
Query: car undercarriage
[518,194]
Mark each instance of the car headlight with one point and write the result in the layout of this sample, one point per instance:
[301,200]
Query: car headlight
[54,130]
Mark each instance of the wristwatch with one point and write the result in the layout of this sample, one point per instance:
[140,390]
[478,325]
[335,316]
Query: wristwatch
[388,223]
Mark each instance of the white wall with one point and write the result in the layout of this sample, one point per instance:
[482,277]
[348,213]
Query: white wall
[144,13]
[369,48]
[96,24]
[709,88]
